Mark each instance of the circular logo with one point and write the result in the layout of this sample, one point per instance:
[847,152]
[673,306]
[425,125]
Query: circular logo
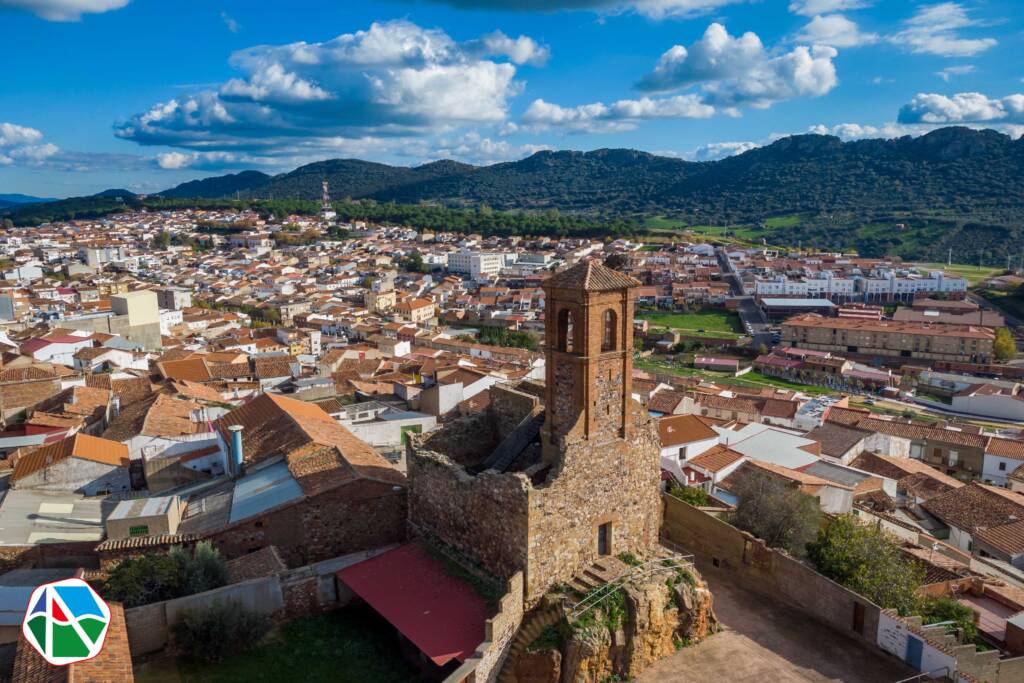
[66,621]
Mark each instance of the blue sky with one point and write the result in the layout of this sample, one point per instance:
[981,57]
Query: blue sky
[145,94]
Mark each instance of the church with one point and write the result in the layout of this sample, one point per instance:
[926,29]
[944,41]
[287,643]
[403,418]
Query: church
[551,477]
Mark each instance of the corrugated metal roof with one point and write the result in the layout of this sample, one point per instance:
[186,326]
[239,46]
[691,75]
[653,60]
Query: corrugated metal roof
[262,490]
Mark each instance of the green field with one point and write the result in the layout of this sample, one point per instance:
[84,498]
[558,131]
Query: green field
[973,274]
[715,323]
[783,221]
[663,223]
[347,645]
[751,379]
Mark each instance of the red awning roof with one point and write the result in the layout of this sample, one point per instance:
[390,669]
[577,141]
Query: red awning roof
[442,616]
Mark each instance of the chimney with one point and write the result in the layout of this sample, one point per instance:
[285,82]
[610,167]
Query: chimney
[236,449]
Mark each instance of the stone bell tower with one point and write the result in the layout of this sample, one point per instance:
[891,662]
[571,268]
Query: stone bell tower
[589,340]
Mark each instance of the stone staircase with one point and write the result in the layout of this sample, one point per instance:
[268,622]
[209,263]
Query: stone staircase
[529,630]
[516,442]
[603,571]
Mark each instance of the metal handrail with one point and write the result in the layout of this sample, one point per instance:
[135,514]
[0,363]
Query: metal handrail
[926,675]
[599,594]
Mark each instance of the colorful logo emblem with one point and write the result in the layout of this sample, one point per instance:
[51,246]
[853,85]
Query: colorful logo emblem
[66,621]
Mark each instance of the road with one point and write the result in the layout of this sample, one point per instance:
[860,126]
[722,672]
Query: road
[768,640]
[750,313]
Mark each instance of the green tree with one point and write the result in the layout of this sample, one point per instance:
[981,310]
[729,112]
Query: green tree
[1004,347]
[161,241]
[781,516]
[414,262]
[206,569]
[8,224]
[864,558]
[147,578]
[934,610]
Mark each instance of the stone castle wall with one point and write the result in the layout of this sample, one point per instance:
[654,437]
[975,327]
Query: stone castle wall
[484,517]
[615,481]
[507,409]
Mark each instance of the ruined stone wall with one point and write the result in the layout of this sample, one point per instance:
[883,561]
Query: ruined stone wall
[596,481]
[483,517]
[362,515]
[499,631]
[467,440]
[507,409]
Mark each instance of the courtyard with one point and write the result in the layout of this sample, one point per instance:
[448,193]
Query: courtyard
[768,640]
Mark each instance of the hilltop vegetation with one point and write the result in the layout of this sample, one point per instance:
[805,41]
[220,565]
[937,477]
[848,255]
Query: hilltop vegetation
[914,197]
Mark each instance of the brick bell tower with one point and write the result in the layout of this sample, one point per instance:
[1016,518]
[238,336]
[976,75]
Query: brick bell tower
[589,361]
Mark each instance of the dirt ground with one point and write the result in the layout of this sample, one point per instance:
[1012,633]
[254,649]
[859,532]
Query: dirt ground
[768,641]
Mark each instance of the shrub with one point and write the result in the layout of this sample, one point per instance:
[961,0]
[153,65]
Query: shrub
[693,495]
[148,578]
[156,577]
[218,631]
[207,569]
[946,609]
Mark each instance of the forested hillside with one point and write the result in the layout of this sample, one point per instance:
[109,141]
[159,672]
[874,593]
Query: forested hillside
[916,197]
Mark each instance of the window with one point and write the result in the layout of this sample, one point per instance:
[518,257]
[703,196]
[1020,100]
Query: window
[565,330]
[1002,467]
[608,340]
[954,458]
[140,530]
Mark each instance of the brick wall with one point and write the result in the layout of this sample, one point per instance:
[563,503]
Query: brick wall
[147,628]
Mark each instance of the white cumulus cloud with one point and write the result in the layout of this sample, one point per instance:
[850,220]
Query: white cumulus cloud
[720,150]
[733,71]
[966,107]
[598,117]
[835,30]
[652,9]
[394,79]
[23,146]
[64,10]
[936,30]
[951,71]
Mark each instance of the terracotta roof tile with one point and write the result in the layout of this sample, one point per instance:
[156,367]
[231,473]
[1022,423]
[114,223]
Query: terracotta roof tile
[78,446]
[590,276]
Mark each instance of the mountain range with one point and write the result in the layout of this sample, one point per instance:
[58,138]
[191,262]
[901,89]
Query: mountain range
[15,199]
[977,175]
[916,197]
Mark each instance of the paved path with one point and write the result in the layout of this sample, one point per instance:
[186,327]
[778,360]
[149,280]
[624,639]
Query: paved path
[768,641]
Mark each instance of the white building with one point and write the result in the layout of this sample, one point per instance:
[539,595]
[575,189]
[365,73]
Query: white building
[479,265]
